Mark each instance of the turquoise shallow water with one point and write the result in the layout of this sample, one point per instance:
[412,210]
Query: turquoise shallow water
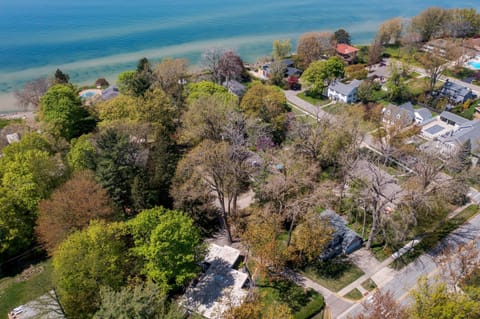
[89,38]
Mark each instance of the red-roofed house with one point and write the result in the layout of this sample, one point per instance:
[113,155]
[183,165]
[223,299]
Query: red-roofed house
[347,52]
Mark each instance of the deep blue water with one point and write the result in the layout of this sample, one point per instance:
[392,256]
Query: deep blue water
[90,38]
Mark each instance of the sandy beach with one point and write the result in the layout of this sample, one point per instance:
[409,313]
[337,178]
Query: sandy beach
[8,104]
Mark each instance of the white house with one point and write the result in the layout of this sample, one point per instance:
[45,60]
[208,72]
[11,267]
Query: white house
[346,93]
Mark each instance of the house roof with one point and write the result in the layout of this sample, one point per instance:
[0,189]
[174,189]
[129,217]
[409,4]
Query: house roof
[343,48]
[453,117]
[467,131]
[456,92]
[344,89]
[45,307]
[235,87]
[396,113]
[424,113]
[292,71]
[110,92]
[220,287]
[343,235]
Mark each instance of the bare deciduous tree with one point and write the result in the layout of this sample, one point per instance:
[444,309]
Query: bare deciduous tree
[230,66]
[312,45]
[458,262]
[217,169]
[390,31]
[382,306]
[170,75]
[32,92]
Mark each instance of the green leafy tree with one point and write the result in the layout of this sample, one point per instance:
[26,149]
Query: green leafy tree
[170,245]
[81,155]
[341,36]
[436,301]
[86,261]
[281,49]
[121,108]
[267,103]
[26,177]
[125,82]
[142,301]
[368,91]
[396,87]
[61,109]
[204,88]
[320,73]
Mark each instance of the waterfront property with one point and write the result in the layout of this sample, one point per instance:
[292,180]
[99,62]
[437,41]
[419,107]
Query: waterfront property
[346,52]
[290,69]
[110,93]
[346,93]
[220,287]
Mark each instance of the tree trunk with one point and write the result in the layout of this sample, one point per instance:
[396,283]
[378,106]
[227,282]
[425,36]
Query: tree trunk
[290,230]
[373,231]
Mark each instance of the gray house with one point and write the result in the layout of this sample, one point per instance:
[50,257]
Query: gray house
[452,119]
[453,140]
[455,93]
[346,93]
[235,87]
[403,114]
[422,116]
[344,241]
[110,93]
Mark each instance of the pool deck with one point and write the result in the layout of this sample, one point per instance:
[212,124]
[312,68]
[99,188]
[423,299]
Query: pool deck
[94,91]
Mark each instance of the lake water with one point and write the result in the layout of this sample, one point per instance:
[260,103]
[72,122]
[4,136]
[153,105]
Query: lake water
[88,39]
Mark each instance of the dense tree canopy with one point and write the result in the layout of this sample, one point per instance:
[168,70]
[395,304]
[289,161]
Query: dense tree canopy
[71,207]
[86,261]
[170,245]
[61,109]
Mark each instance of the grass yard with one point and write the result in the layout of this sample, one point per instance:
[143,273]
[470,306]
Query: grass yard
[333,274]
[418,86]
[299,114]
[369,284]
[432,239]
[18,290]
[5,122]
[355,294]
[304,303]
[313,100]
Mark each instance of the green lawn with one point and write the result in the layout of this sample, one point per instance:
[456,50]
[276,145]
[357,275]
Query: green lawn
[355,294]
[418,86]
[333,274]
[14,291]
[304,303]
[313,100]
[369,284]
[299,114]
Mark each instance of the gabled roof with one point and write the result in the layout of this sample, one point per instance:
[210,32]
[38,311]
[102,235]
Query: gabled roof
[235,87]
[424,113]
[456,92]
[343,235]
[343,48]
[453,117]
[110,92]
[344,89]
[467,131]
[403,113]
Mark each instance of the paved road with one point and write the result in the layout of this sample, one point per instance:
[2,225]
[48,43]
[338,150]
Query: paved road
[398,282]
[406,279]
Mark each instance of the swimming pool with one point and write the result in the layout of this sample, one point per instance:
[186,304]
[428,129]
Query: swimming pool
[87,94]
[474,64]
